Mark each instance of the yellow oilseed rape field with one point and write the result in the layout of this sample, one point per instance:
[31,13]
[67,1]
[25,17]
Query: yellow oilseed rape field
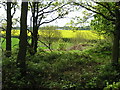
[87,34]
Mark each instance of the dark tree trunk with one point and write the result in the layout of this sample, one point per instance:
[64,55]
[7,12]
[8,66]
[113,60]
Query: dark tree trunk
[21,61]
[33,16]
[35,39]
[8,31]
[115,51]
[35,36]
[35,28]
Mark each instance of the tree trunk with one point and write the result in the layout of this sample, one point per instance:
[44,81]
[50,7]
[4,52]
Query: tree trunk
[115,50]
[36,43]
[35,28]
[33,15]
[8,31]
[21,61]
[35,39]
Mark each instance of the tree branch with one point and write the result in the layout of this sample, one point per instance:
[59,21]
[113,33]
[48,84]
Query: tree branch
[46,7]
[106,8]
[51,10]
[49,21]
[14,11]
[30,32]
[46,45]
[55,9]
[40,20]
[106,17]
[3,29]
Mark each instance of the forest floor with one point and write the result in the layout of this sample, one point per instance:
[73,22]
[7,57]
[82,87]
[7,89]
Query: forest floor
[88,68]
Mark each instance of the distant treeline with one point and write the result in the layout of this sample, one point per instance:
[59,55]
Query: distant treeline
[60,28]
[78,28]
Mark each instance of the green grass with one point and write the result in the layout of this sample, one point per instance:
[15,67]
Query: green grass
[14,41]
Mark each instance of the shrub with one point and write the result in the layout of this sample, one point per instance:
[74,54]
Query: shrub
[11,74]
[114,86]
[62,46]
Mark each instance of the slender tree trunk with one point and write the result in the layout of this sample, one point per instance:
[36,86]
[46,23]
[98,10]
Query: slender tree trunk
[36,39]
[21,61]
[8,31]
[33,15]
[115,51]
[35,28]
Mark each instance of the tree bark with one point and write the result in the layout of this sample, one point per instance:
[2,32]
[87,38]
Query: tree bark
[35,40]
[8,31]
[21,58]
[115,50]
[33,16]
[35,28]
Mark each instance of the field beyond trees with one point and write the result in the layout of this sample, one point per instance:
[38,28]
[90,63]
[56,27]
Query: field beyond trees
[88,34]
[72,36]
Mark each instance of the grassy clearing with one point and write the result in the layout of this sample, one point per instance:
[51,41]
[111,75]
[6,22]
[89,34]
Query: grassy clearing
[14,41]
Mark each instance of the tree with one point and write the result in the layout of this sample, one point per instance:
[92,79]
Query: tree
[40,12]
[8,31]
[112,11]
[102,25]
[115,50]
[49,35]
[79,22]
[21,58]
[10,5]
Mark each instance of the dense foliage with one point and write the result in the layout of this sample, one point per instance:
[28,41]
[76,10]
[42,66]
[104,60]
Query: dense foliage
[89,68]
[81,60]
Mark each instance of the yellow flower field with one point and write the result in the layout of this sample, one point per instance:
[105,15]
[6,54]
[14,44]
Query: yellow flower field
[88,34]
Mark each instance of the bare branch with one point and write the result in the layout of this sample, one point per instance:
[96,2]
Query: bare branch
[14,11]
[3,40]
[3,29]
[40,20]
[2,20]
[49,21]
[30,32]
[55,9]
[52,10]
[30,5]
[16,19]
[15,45]
[46,7]
[44,43]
